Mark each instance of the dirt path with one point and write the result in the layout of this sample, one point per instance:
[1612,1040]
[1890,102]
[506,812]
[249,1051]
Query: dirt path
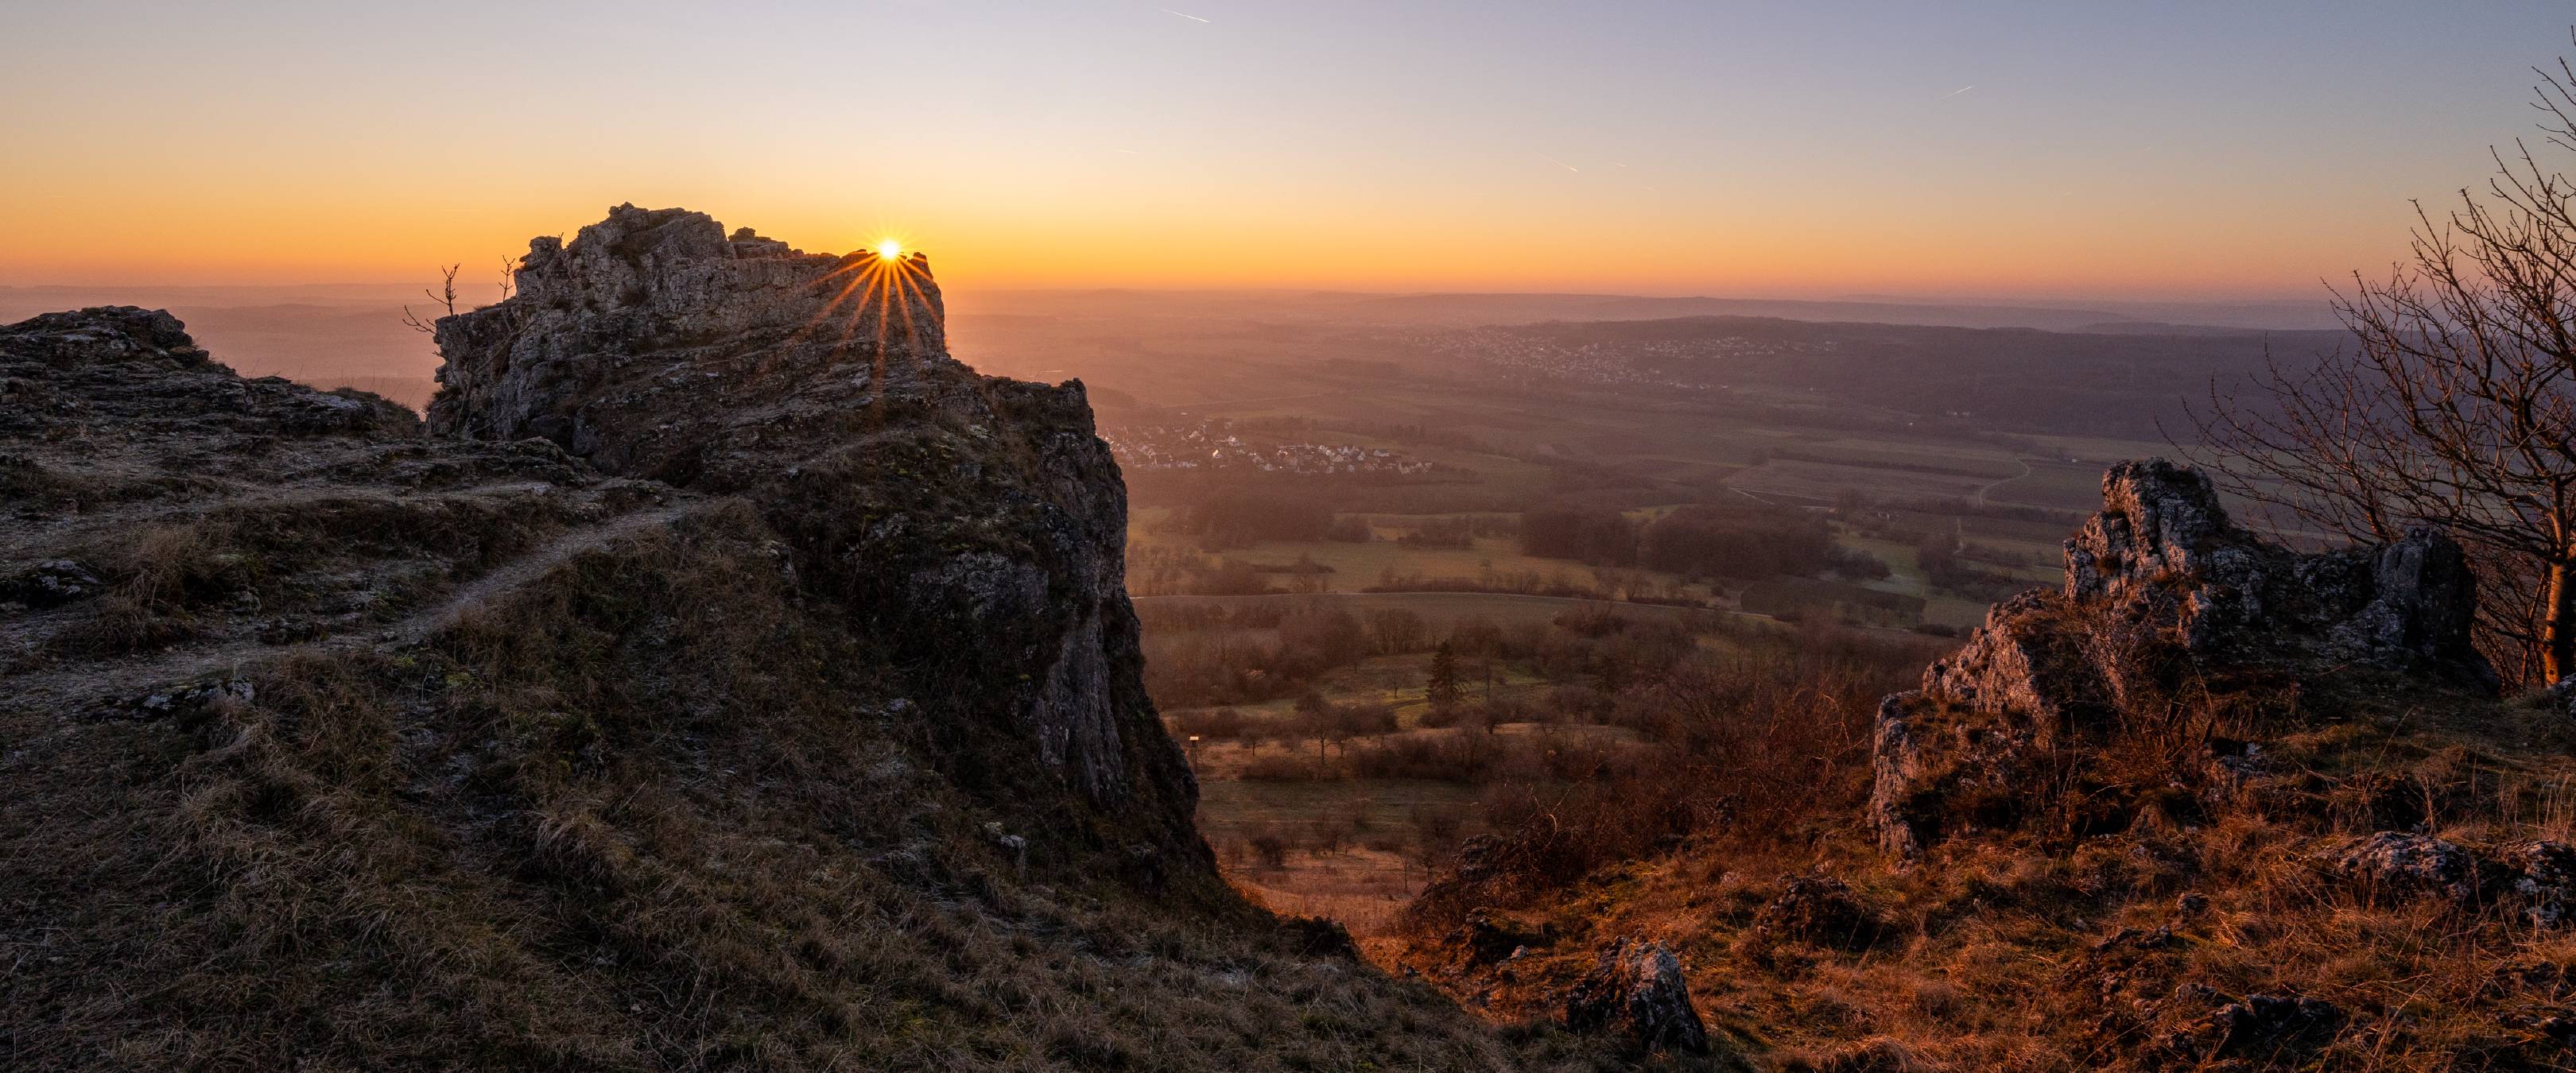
[83,529]
[87,684]
[1978,497]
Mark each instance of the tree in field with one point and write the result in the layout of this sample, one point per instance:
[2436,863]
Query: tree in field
[2455,405]
[1442,688]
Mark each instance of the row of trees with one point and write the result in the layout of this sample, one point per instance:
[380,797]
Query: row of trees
[1700,540]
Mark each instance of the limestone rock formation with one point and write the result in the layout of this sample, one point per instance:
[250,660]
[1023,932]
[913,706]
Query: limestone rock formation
[974,525]
[2158,581]
[1636,991]
[2163,549]
[2542,875]
[164,521]
[730,679]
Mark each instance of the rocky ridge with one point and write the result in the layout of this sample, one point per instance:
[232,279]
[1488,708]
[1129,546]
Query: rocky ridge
[2212,804]
[726,678]
[2161,586]
[972,524]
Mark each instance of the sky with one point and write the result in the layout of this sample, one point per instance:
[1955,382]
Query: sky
[1810,149]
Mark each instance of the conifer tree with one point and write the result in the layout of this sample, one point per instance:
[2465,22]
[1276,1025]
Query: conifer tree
[1442,690]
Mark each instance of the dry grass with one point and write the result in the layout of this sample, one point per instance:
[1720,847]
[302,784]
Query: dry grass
[172,581]
[2023,950]
[648,814]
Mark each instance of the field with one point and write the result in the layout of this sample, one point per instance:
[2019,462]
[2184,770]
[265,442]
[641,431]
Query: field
[1460,446]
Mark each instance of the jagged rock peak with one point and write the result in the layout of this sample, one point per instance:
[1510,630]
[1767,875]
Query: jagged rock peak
[649,280]
[2160,575]
[2163,549]
[975,526]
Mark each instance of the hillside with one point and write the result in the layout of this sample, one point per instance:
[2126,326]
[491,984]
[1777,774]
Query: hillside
[725,678]
[2212,804]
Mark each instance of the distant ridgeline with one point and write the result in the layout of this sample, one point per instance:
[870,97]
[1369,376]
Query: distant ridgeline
[2127,384]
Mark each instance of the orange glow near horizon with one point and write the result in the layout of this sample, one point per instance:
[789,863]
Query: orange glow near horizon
[1331,145]
[1257,239]
[885,285]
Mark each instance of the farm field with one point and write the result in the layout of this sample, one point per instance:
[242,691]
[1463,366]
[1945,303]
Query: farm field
[1329,778]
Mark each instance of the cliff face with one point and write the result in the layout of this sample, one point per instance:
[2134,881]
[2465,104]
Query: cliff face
[974,526]
[729,680]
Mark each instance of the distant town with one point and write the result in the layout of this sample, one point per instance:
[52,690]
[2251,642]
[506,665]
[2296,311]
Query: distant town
[1217,445]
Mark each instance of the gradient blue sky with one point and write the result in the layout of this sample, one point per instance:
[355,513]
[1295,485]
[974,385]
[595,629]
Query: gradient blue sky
[2107,150]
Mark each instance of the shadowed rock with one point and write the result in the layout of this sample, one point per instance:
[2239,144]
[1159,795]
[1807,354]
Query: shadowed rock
[975,526]
[1636,990]
[2263,1028]
[2395,864]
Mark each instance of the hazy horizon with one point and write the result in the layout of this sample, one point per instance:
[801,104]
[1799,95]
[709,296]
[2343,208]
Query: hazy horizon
[1987,153]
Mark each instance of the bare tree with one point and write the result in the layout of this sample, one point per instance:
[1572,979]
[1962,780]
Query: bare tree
[445,297]
[2454,406]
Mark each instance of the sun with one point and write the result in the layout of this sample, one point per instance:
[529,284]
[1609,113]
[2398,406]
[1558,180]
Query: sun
[889,249]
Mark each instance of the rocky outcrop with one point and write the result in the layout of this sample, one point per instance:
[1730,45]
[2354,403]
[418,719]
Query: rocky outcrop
[1635,990]
[2160,580]
[378,750]
[2534,879]
[164,521]
[2163,550]
[973,525]
[1820,910]
[2541,875]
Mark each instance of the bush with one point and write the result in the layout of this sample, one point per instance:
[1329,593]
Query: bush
[1268,847]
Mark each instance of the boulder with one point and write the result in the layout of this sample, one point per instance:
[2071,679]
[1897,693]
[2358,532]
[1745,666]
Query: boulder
[1821,910]
[195,700]
[2561,696]
[1636,991]
[2540,874]
[1488,937]
[2398,864]
[51,583]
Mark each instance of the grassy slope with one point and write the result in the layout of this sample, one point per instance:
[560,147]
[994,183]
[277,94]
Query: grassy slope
[645,813]
[1998,951]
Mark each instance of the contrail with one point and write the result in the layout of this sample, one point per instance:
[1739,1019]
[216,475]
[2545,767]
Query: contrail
[1558,163]
[1183,14]
[1954,93]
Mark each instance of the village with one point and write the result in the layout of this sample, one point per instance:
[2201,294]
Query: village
[1216,445]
